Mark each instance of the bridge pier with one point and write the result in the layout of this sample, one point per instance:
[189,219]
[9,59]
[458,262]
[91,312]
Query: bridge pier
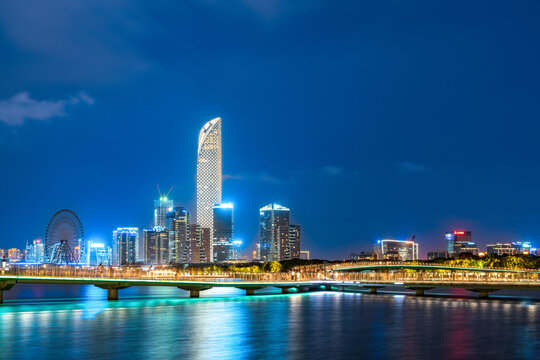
[420,291]
[483,293]
[5,286]
[328,287]
[372,290]
[112,294]
[194,291]
[285,290]
[112,290]
[250,291]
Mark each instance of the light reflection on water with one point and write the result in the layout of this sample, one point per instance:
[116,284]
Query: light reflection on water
[157,323]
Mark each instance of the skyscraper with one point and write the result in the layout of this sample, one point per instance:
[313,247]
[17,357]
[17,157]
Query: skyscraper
[179,245]
[161,208]
[274,232]
[156,246]
[124,245]
[223,225]
[294,242]
[35,251]
[208,172]
[200,244]
[98,254]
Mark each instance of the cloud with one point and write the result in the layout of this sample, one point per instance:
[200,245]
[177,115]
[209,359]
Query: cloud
[256,176]
[20,107]
[76,41]
[293,177]
[412,167]
[332,170]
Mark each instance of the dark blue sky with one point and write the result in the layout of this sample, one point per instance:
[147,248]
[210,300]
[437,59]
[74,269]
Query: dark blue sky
[369,119]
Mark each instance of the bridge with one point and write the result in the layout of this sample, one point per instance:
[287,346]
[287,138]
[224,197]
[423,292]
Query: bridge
[341,277]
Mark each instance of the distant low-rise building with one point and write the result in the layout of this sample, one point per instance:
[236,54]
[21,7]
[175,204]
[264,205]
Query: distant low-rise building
[304,254]
[466,248]
[437,254]
[363,255]
[501,249]
[397,250]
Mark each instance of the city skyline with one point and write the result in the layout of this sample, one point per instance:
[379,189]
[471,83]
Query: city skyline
[388,132]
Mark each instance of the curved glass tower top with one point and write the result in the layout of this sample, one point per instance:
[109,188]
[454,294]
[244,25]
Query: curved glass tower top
[208,172]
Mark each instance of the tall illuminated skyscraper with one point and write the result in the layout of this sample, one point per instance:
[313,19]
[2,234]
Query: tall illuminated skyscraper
[124,249]
[223,233]
[161,208]
[274,232]
[208,172]
[179,241]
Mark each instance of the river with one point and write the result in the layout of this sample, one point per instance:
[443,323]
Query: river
[77,322]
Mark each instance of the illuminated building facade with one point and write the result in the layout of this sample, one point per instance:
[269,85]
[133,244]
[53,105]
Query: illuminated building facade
[179,241]
[156,246]
[161,208]
[304,254]
[124,249]
[513,248]
[457,239]
[223,232]
[524,247]
[98,254]
[273,232]
[208,173]
[14,255]
[294,242]
[398,250]
[437,254]
[35,251]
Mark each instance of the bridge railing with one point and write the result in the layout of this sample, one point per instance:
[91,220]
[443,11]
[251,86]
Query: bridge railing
[197,275]
[139,273]
[367,264]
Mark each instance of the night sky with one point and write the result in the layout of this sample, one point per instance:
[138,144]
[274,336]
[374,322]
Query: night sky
[368,119]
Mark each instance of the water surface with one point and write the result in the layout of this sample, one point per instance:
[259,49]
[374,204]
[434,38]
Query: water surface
[53,322]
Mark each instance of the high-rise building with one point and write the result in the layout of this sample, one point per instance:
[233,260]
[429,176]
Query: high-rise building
[98,254]
[35,251]
[124,249]
[274,232]
[208,173]
[156,246]
[179,241]
[195,243]
[455,240]
[294,242]
[223,232]
[200,244]
[399,250]
[161,207]
[14,255]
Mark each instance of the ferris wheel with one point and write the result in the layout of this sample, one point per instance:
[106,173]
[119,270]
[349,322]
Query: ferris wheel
[64,238]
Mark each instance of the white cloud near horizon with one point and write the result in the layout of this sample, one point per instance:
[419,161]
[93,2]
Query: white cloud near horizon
[263,177]
[410,166]
[21,107]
